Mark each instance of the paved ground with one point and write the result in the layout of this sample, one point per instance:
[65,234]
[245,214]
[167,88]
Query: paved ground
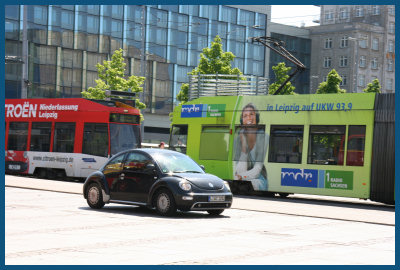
[302,205]
[49,223]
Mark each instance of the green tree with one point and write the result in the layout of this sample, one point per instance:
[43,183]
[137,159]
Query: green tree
[281,74]
[111,77]
[213,60]
[331,85]
[373,87]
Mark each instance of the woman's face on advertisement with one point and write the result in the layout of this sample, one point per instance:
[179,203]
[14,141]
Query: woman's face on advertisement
[249,117]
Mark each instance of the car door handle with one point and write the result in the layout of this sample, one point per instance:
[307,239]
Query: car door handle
[122,176]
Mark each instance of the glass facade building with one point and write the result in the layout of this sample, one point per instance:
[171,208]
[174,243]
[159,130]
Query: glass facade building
[300,48]
[161,42]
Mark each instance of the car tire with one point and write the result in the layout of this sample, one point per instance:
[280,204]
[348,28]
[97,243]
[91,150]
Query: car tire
[94,196]
[216,212]
[164,203]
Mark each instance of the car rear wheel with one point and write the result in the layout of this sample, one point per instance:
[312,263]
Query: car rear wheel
[215,212]
[94,196]
[165,203]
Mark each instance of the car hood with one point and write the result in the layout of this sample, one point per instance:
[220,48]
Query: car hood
[204,181]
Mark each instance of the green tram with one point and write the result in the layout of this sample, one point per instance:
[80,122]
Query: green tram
[327,144]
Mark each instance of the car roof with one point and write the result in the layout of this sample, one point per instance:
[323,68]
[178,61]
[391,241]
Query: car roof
[150,151]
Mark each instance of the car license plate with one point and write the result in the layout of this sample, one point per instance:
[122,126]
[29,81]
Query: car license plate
[216,198]
[14,167]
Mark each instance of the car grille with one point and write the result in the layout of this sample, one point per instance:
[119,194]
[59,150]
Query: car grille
[206,205]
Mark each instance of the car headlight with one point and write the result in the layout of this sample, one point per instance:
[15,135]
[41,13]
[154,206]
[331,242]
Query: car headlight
[227,186]
[185,185]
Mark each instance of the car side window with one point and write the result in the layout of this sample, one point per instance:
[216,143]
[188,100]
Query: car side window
[136,162]
[115,164]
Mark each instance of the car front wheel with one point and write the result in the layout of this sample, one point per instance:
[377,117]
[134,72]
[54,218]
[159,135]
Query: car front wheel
[215,212]
[94,196]
[165,203]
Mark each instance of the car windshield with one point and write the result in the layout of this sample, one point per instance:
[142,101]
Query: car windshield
[176,163]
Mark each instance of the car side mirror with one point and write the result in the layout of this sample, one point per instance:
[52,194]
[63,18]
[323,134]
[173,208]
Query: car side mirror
[202,167]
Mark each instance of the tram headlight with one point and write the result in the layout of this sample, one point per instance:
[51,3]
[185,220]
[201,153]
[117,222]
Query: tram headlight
[25,154]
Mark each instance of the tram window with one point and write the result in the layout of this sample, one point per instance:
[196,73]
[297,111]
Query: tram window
[124,137]
[214,143]
[324,144]
[286,144]
[17,136]
[355,146]
[178,139]
[64,137]
[40,136]
[95,139]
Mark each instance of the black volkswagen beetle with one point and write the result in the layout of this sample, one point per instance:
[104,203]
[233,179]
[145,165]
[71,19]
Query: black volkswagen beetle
[157,178]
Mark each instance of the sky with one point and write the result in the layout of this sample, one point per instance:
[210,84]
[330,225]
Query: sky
[295,15]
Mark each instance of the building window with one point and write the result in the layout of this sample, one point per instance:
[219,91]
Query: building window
[375,44]
[246,17]
[376,10]
[189,9]
[390,46]
[363,42]
[328,43]
[12,12]
[389,65]
[363,61]
[344,80]
[374,63]
[229,14]
[37,14]
[329,15]
[327,62]
[344,13]
[210,12]
[361,80]
[359,12]
[389,84]
[343,61]
[12,30]
[344,42]
[392,10]
[391,28]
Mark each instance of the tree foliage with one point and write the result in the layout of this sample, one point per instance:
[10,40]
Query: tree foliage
[331,85]
[111,77]
[213,60]
[373,87]
[281,74]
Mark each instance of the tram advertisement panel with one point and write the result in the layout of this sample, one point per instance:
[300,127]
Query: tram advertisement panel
[293,143]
